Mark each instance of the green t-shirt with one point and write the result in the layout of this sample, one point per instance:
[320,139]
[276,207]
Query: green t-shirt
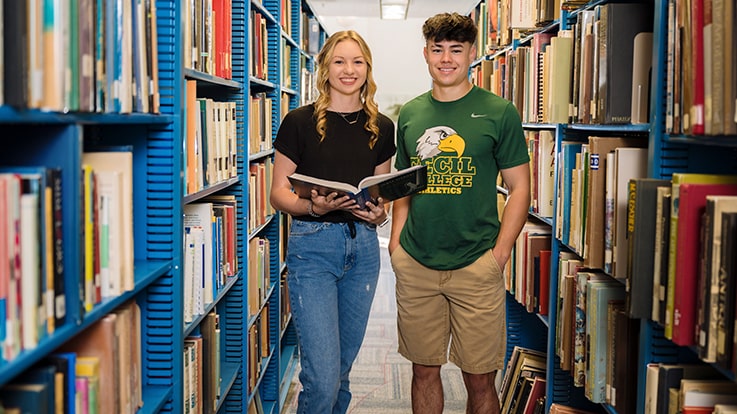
[464,144]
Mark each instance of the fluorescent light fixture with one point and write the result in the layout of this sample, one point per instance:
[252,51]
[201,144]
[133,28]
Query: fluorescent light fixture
[394,9]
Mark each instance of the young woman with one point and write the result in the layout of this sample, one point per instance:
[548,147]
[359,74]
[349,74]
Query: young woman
[332,252]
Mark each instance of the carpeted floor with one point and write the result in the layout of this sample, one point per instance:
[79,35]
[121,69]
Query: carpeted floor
[380,379]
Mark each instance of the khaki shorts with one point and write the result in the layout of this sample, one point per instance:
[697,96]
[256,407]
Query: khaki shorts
[467,305]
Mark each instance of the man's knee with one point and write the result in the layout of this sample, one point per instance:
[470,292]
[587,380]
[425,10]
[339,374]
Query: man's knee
[480,382]
[426,372]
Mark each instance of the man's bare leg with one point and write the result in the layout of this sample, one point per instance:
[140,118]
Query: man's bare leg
[427,389]
[482,396]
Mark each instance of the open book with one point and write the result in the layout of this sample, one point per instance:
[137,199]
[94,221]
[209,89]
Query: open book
[389,186]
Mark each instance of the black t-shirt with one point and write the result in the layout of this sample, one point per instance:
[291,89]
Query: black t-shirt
[344,155]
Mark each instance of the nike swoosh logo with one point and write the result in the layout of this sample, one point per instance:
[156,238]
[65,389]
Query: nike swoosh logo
[473,115]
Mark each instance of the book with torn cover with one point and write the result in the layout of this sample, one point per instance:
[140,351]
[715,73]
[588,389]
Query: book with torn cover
[389,186]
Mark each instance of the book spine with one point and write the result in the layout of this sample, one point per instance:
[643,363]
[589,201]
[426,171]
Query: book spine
[60,304]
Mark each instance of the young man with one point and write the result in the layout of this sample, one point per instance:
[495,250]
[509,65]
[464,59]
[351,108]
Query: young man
[448,245]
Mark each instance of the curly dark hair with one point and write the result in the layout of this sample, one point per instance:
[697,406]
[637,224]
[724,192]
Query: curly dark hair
[450,26]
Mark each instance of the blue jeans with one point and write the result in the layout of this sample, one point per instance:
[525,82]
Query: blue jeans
[332,274]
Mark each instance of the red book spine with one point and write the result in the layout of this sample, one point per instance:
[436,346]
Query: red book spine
[218,7]
[544,281]
[697,53]
[692,202]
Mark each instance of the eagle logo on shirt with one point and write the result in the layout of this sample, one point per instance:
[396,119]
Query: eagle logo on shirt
[439,139]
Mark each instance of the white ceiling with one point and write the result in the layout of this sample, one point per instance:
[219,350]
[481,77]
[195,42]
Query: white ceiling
[419,9]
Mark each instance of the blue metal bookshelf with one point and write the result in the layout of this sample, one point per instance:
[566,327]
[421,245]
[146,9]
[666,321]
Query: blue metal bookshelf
[35,137]
[55,139]
[667,154]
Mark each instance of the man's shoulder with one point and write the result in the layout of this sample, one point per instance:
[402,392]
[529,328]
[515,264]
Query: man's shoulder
[418,102]
[489,96]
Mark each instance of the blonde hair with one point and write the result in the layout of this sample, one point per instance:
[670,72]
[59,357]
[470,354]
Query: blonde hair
[368,90]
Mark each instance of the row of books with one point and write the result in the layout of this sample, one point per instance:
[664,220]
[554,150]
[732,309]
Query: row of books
[596,340]
[32,276]
[500,21]
[701,85]
[96,372]
[310,36]
[211,141]
[677,267]
[686,388]
[567,77]
[285,17]
[32,285]
[107,224]
[591,212]
[260,127]
[259,274]
[88,56]
[541,149]
[208,37]
[202,368]
[210,237]
[259,347]
[308,89]
[259,206]
[258,46]
[522,389]
[527,277]
[699,272]
[286,72]
[286,306]
[486,19]
[614,44]
[692,268]
[679,270]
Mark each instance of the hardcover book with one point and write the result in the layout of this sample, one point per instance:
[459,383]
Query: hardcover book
[641,221]
[660,255]
[670,376]
[580,347]
[719,281]
[545,258]
[65,365]
[598,295]
[619,25]
[595,216]
[706,392]
[537,392]
[641,68]
[725,408]
[389,186]
[625,361]
[101,341]
[677,179]
[629,163]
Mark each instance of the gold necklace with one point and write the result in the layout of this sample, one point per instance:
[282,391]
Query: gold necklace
[345,117]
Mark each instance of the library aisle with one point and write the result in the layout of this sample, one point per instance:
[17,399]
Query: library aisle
[380,379]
